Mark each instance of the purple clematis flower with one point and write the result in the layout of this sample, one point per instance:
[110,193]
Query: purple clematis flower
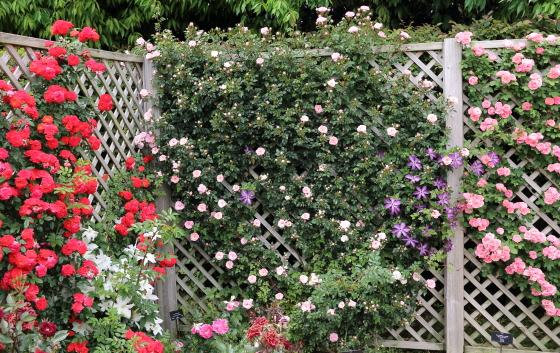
[400,229]
[494,158]
[448,245]
[246,196]
[443,199]
[421,192]
[423,247]
[413,178]
[409,240]
[440,183]
[430,152]
[248,150]
[477,168]
[456,160]
[393,205]
[414,163]
[420,207]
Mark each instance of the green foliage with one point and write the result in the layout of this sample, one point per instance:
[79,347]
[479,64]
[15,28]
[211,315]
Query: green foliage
[323,142]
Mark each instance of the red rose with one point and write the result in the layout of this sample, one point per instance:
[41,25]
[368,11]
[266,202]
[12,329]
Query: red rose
[105,102]
[47,329]
[57,52]
[61,27]
[68,270]
[41,303]
[88,33]
[73,60]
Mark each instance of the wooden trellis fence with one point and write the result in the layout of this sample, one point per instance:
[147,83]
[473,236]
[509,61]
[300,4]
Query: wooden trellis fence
[123,80]
[458,315]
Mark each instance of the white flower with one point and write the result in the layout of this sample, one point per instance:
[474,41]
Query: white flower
[344,225]
[222,203]
[104,306]
[88,235]
[344,238]
[397,275]
[122,306]
[214,53]
[247,303]
[103,262]
[331,82]
[381,236]
[81,328]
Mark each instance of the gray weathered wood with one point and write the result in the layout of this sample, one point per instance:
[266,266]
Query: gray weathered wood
[454,339]
[37,43]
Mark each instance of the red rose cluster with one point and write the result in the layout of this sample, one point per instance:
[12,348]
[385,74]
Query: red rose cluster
[143,343]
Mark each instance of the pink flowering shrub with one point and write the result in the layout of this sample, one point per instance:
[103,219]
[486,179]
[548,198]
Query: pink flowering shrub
[524,87]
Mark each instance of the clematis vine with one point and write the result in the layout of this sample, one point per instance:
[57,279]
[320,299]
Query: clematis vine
[246,197]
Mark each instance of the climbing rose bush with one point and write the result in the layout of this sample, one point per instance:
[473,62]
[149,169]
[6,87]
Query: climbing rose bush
[513,169]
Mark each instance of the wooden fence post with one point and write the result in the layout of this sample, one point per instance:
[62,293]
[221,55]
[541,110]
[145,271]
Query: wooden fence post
[166,289]
[453,86]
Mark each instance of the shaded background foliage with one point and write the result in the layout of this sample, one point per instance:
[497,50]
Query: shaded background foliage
[120,22]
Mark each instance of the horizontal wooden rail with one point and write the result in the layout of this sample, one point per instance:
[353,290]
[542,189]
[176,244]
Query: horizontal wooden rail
[37,43]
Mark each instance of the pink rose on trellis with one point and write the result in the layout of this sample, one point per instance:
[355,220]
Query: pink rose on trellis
[544,148]
[430,283]
[534,235]
[473,80]
[535,37]
[551,196]
[333,141]
[353,29]
[516,238]
[533,254]
[464,37]
[492,249]
[504,171]
[482,182]
[517,266]
[306,306]
[473,200]
[488,124]
[189,224]
[554,72]
[206,331]
[511,207]
[220,326]
[479,51]
[480,223]
[526,65]
[551,252]
[202,207]
[506,76]
[194,236]
[475,113]
[318,109]
[333,337]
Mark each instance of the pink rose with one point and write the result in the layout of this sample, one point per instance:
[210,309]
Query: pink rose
[333,337]
[318,109]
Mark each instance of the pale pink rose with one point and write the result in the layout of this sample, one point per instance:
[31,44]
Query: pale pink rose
[333,337]
[331,312]
[344,238]
[280,270]
[318,109]
[229,265]
[235,188]
[353,29]
[473,80]
[164,157]
[362,129]
[305,216]
[352,304]
[516,238]
[232,255]
[333,141]
[140,41]
[196,173]
[341,305]
[201,207]
[500,231]
[430,283]
[219,255]
[323,129]
[432,118]
[252,279]
[194,236]
[392,131]
[220,178]
[260,61]
[248,303]
[304,118]
[263,272]
[222,203]
[256,223]
[335,56]
[264,30]
[179,205]
[218,215]
[532,255]
[279,296]
[260,151]
[303,279]
[243,241]
[192,43]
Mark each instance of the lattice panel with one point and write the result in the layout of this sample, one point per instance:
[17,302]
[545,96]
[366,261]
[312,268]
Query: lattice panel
[429,325]
[491,305]
[122,79]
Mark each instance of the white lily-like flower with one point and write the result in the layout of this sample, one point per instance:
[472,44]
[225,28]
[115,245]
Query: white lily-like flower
[122,306]
[81,328]
[149,258]
[88,235]
[105,305]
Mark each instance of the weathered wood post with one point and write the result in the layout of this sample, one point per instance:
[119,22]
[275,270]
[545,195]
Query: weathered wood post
[166,289]
[453,86]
